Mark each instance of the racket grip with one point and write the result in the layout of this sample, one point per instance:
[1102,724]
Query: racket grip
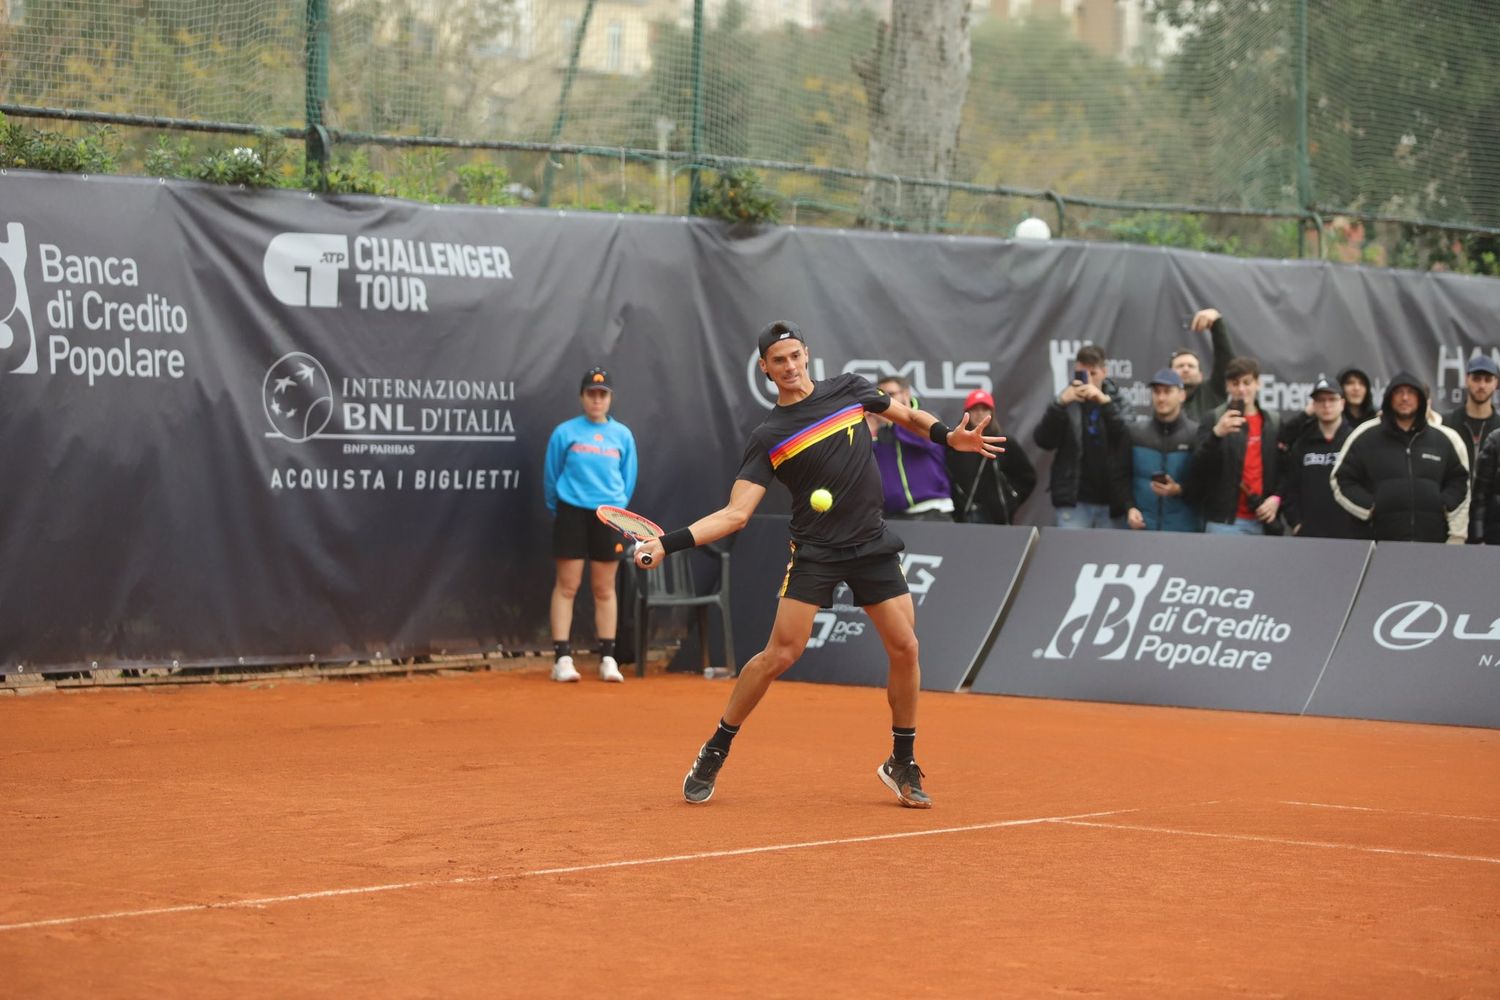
[646,559]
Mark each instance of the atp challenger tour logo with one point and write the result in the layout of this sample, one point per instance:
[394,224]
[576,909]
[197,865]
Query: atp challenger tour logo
[102,326]
[390,273]
[1185,624]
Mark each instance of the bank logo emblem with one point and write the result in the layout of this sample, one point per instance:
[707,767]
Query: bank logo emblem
[17,330]
[1105,610]
[297,396]
[302,269]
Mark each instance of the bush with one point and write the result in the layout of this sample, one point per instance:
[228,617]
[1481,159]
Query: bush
[1159,229]
[24,148]
[738,196]
[486,184]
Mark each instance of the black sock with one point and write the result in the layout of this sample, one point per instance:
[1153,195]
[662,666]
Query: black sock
[723,736]
[904,740]
[561,648]
[606,647]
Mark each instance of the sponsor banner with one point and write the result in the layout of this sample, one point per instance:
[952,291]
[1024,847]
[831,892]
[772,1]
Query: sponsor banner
[1423,640]
[960,577]
[273,425]
[1167,619]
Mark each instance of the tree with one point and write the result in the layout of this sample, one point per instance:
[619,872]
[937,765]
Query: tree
[1401,101]
[916,79]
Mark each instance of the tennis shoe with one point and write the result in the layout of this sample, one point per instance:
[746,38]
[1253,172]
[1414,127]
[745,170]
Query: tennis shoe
[698,786]
[906,781]
[563,670]
[609,670]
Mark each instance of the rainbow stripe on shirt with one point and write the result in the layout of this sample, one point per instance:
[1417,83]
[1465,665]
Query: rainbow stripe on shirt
[848,417]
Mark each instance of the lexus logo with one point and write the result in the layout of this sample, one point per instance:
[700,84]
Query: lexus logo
[1411,625]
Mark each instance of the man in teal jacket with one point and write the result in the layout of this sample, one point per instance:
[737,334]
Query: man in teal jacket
[1161,458]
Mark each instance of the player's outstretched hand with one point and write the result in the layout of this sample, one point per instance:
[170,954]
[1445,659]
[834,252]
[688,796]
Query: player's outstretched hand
[648,555]
[966,438]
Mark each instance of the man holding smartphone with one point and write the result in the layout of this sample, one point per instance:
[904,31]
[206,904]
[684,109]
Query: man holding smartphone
[1090,481]
[1161,459]
[1239,459]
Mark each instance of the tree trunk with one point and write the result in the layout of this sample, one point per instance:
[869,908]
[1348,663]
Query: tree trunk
[916,79]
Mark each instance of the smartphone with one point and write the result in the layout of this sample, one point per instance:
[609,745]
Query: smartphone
[1237,405]
[1081,375]
[1159,477]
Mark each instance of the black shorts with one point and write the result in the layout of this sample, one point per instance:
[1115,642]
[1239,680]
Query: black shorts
[577,533]
[873,579]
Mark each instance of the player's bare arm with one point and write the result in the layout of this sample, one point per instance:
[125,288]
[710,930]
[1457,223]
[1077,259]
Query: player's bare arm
[744,497]
[960,438]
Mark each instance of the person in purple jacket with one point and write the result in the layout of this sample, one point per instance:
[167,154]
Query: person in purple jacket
[913,470]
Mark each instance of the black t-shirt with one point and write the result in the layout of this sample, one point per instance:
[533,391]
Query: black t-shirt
[822,442]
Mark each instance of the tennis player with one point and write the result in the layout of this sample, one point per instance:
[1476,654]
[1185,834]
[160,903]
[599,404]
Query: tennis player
[817,439]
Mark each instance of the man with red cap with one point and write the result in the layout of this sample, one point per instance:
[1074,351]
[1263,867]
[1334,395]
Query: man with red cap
[988,491]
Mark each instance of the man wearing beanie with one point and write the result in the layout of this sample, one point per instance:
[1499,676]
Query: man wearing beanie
[1408,478]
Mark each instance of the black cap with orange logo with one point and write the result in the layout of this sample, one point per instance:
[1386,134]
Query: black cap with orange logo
[596,378]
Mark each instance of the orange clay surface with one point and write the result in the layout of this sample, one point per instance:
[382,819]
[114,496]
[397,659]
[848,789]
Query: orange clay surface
[495,834]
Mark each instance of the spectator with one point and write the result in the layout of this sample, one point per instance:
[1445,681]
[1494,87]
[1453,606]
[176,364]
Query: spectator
[912,470]
[1477,417]
[1161,459]
[1238,453]
[1404,475]
[988,490]
[1307,486]
[1203,393]
[1359,406]
[591,461]
[1090,481]
[1484,504]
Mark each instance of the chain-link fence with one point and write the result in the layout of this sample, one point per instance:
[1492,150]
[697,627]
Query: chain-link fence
[1381,112]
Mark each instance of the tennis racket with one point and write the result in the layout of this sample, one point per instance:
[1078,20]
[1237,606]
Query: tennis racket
[633,526]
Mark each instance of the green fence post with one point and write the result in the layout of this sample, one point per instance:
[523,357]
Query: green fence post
[316,93]
[695,187]
[562,101]
[1304,163]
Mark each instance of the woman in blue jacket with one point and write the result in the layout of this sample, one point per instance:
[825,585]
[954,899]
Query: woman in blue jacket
[591,461]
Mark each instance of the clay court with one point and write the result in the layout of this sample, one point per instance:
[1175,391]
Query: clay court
[495,834]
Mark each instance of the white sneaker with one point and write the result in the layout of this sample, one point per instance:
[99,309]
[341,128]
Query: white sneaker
[564,671]
[609,670]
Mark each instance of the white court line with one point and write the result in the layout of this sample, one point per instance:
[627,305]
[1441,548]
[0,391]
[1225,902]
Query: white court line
[1393,812]
[242,904]
[1072,821]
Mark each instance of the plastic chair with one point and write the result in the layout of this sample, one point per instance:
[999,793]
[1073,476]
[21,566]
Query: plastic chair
[671,586]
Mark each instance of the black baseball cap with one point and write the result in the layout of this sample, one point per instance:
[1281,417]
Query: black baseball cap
[1323,384]
[595,378]
[1479,363]
[778,331]
[1167,376]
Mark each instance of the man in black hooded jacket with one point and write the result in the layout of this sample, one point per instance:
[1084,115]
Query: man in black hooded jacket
[1484,505]
[1408,478]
